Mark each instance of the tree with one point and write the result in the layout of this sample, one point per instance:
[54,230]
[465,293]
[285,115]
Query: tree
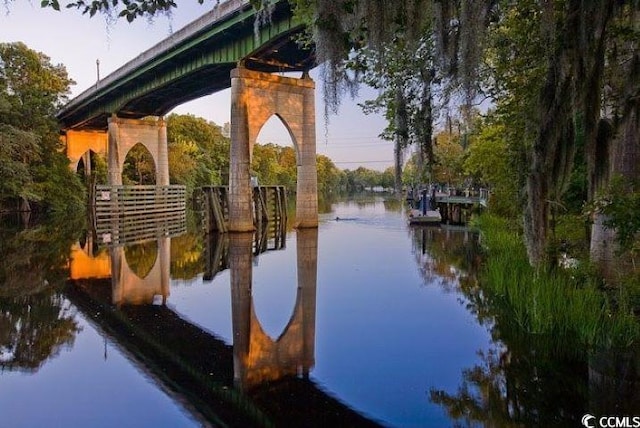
[328,175]
[547,66]
[198,151]
[449,156]
[491,163]
[33,167]
[613,137]
[139,167]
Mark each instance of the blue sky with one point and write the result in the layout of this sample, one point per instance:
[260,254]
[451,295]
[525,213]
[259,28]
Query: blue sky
[77,41]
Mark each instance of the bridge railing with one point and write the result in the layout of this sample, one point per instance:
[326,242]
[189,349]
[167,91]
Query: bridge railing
[125,214]
[460,196]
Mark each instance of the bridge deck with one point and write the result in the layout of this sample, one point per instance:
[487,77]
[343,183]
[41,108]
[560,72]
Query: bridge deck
[193,62]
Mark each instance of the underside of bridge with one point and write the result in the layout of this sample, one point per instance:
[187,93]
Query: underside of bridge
[227,47]
[183,68]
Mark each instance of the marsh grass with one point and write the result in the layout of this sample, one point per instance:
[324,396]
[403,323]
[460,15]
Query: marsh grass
[563,304]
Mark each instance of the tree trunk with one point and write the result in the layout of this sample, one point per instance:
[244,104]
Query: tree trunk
[402,136]
[625,163]
[397,153]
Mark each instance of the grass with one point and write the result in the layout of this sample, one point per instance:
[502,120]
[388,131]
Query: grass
[558,303]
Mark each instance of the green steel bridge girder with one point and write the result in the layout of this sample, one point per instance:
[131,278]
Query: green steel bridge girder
[198,66]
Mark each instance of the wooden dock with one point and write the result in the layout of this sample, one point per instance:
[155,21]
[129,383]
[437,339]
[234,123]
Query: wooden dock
[125,214]
[455,205]
[269,207]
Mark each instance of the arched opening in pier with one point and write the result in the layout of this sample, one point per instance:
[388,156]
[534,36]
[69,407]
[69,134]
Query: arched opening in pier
[139,167]
[274,160]
[92,167]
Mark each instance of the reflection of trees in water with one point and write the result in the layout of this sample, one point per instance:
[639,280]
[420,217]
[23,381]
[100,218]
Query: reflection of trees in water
[393,204]
[521,382]
[523,379]
[447,257]
[34,329]
[141,257]
[325,202]
[35,321]
[31,258]
[187,255]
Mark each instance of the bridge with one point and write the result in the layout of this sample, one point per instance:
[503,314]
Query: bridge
[224,48]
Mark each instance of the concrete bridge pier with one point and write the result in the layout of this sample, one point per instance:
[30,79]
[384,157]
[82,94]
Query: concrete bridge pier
[80,144]
[255,97]
[123,134]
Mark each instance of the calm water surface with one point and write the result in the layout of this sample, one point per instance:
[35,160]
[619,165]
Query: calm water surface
[363,322]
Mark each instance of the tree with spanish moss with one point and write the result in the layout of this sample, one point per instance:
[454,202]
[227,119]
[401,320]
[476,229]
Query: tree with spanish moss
[585,78]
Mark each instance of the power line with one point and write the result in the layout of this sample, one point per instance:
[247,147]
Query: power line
[333,143]
[364,161]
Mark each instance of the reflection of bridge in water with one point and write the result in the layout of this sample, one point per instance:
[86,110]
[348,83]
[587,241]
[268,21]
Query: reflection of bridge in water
[256,382]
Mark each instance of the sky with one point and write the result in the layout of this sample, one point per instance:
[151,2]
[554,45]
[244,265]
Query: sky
[350,138]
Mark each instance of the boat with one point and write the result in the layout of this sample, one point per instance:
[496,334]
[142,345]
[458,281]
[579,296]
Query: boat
[416,216]
[425,212]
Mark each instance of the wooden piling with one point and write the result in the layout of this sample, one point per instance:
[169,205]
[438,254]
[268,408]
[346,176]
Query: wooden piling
[269,207]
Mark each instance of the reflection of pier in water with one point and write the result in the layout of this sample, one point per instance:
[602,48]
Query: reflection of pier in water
[256,382]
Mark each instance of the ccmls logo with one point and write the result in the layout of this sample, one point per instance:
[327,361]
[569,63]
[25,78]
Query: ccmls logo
[589,421]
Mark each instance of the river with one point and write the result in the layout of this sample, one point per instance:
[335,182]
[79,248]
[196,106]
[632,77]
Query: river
[365,321]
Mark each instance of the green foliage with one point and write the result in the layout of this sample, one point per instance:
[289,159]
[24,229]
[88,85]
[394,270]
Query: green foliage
[139,166]
[99,168]
[64,192]
[449,155]
[553,304]
[621,205]
[274,164]
[490,161]
[362,178]
[131,10]
[328,175]
[31,165]
[198,152]
[17,150]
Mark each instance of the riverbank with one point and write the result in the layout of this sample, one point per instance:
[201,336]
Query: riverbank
[561,304]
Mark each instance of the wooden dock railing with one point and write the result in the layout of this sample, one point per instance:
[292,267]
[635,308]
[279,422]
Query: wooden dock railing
[125,214]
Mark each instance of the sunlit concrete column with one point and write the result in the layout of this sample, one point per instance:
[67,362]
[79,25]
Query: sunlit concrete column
[307,186]
[162,167]
[255,97]
[114,171]
[240,212]
[241,269]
